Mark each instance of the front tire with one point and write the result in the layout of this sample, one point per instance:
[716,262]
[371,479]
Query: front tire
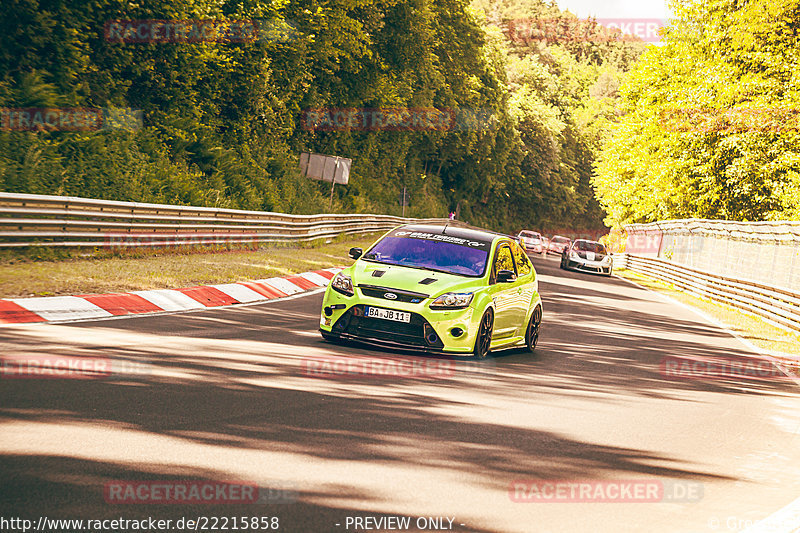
[532,334]
[484,338]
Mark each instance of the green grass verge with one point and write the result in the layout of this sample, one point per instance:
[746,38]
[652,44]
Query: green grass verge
[751,327]
[37,273]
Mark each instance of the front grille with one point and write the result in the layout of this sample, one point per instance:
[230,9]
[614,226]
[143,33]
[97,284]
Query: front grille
[417,332]
[374,291]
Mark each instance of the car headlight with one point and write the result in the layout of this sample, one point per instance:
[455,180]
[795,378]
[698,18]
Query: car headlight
[343,284]
[607,259]
[452,300]
[574,255]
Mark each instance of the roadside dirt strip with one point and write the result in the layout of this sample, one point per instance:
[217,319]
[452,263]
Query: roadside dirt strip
[94,306]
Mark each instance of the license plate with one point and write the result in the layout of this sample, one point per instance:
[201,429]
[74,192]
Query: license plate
[387,314]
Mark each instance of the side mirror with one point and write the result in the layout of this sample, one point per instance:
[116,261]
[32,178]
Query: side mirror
[355,253]
[506,276]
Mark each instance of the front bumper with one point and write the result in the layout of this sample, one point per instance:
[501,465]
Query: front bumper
[382,343]
[417,334]
[428,331]
[589,266]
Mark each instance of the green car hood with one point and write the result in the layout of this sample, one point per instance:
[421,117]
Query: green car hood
[406,278]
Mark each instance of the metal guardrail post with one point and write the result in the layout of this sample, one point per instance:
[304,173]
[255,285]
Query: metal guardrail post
[777,305]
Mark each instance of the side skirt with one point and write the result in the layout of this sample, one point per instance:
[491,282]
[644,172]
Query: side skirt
[508,342]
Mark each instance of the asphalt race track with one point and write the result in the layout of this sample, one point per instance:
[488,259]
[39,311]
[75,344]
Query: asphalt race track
[237,394]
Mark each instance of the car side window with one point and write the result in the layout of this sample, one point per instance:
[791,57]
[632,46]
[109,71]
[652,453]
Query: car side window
[523,263]
[504,260]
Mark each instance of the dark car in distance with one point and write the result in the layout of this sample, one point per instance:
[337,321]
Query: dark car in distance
[558,244]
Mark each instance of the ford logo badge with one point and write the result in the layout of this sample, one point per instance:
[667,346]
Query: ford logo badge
[390,296]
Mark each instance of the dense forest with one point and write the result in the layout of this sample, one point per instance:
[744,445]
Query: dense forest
[223,121]
[709,122]
[565,127]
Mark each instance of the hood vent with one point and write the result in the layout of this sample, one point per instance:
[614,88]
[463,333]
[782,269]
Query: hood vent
[428,281]
[378,273]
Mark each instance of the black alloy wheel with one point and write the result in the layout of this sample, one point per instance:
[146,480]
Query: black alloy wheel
[484,339]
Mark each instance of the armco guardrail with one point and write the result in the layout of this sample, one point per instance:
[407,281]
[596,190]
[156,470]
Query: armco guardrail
[31,219]
[754,251]
[773,303]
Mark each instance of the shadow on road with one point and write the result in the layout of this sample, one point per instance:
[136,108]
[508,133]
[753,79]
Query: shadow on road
[235,379]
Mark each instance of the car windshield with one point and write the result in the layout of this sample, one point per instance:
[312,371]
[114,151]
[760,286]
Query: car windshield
[585,246]
[448,257]
[530,236]
[560,240]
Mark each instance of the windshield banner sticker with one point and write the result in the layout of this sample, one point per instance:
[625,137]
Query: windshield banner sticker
[439,237]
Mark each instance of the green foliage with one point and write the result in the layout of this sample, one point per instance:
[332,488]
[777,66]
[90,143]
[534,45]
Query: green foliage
[710,121]
[222,120]
[561,90]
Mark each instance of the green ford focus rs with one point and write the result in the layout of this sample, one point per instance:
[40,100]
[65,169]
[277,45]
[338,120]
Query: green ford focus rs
[439,289]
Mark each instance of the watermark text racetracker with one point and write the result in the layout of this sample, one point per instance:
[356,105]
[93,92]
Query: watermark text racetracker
[731,120]
[70,119]
[71,367]
[605,491]
[709,368]
[411,119]
[572,30]
[172,31]
[333,367]
[124,241]
[194,492]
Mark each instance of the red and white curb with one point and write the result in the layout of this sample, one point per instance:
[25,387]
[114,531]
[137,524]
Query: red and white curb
[94,306]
